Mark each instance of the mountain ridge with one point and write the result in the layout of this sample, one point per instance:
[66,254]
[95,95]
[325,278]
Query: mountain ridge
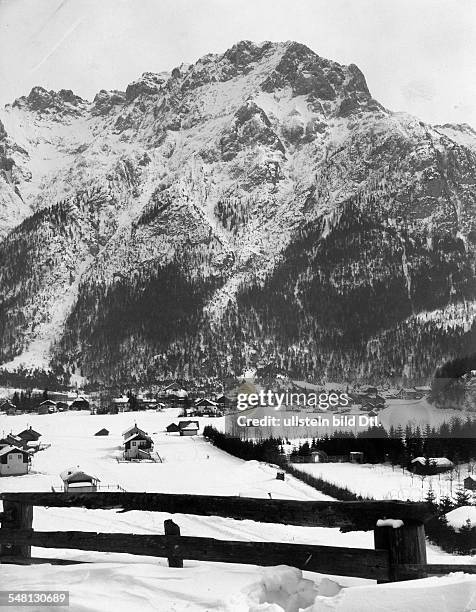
[217,170]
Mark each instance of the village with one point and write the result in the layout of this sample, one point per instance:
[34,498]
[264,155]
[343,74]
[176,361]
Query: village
[162,443]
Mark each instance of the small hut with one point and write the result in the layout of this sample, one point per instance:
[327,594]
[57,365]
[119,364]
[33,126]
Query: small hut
[77,481]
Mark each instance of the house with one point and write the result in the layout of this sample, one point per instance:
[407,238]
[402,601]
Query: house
[29,435]
[77,481]
[80,403]
[470,483]
[47,407]
[356,457]
[8,407]
[136,442]
[62,406]
[133,430]
[188,428]
[121,404]
[432,465]
[102,432]
[172,428]
[202,407]
[14,461]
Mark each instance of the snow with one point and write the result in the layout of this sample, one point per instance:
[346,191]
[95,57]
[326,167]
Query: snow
[458,517]
[395,523]
[194,466]
[384,482]
[236,588]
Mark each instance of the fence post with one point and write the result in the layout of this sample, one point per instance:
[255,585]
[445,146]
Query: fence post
[405,544]
[172,528]
[16,516]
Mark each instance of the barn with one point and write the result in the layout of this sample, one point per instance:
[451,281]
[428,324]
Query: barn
[188,428]
[102,432]
[172,428]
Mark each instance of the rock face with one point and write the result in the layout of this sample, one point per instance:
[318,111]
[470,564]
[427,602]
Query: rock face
[255,208]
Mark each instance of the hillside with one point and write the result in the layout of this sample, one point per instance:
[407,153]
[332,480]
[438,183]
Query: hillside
[258,207]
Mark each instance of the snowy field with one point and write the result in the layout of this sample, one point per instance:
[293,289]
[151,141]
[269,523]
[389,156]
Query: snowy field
[191,465]
[384,481]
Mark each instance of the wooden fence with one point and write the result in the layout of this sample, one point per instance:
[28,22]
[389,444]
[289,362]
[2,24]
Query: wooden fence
[399,554]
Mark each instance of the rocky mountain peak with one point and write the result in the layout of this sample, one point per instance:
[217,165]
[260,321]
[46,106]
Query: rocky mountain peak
[149,83]
[63,102]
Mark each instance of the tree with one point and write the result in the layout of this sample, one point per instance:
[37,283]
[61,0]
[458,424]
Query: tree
[462,497]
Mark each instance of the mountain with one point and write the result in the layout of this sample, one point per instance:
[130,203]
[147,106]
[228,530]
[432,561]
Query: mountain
[255,209]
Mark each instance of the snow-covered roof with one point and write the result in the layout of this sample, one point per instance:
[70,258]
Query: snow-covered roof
[76,475]
[191,425]
[29,432]
[120,400]
[441,461]
[133,428]
[457,518]
[140,436]
[8,449]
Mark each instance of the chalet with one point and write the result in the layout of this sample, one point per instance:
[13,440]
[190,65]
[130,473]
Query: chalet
[8,407]
[47,407]
[356,457]
[133,430]
[14,461]
[102,432]
[29,435]
[470,483]
[80,403]
[188,428]
[203,407]
[432,465]
[121,404]
[62,406]
[136,442]
[77,481]
[172,428]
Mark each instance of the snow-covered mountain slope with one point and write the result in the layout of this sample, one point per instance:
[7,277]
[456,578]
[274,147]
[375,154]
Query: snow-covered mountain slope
[258,204]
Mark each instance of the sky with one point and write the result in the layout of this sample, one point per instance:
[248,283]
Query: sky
[418,56]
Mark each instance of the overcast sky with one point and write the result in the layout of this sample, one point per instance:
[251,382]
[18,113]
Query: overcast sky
[418,56]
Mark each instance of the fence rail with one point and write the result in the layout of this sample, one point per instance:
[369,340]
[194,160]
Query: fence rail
[399,554]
